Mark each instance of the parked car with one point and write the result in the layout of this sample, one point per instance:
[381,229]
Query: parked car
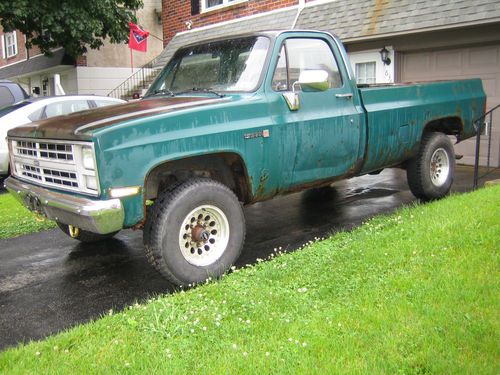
[10,93]
[229,122]
[34,109]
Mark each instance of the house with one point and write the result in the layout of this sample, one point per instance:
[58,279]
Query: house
[97,72]
[425,39]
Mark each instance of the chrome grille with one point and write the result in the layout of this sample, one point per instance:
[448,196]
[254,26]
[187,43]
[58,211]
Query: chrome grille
[45,150]
[52,163]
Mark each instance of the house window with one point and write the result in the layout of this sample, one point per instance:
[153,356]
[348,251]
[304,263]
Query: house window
[10,44]
[365,72]
[215,4]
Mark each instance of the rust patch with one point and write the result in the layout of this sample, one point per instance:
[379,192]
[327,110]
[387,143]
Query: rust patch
[377,12]
[259,194]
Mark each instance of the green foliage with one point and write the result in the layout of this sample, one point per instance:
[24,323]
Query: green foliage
[73,25]
[415,292]
[17,220]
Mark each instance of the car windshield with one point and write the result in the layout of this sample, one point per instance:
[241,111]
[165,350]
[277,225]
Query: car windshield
[6,110]
[228,65]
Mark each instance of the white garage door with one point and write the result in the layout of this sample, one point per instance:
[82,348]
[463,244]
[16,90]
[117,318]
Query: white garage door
[474,62]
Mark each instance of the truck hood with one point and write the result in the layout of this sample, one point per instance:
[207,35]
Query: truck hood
[80,125]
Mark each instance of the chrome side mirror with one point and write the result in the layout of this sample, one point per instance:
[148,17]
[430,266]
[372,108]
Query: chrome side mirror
[314,80]
[292,99]
[309,80]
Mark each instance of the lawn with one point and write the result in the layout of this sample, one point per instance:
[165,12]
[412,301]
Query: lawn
[16,220]
[413,292]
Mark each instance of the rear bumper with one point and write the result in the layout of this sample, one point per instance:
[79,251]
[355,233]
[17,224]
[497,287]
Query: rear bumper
[97,216]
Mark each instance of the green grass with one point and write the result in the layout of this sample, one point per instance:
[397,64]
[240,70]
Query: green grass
[415,292]
[16,220]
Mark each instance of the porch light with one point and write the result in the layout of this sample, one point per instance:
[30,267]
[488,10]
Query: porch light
[384,55]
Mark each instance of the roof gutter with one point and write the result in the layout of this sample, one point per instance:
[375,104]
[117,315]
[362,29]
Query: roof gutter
[422,30]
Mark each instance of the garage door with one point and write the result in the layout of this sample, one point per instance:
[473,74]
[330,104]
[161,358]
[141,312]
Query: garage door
[475,62]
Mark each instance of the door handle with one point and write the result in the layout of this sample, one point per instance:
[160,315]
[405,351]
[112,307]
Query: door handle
[345,96]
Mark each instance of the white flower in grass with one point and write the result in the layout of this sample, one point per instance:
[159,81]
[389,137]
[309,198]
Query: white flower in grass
[290,339]
[268,354]
[127,364]
[245,354]
[302,290]
[204,328]
[37,353]
[235,346]
[304,344]
[192,330]
[217,324]
[248,321]
[66,351]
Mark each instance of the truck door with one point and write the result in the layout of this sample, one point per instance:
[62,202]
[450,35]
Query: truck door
[323,137]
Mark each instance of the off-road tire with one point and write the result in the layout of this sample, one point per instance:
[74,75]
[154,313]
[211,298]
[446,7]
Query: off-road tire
[86,236]
[166,221]
[430,173]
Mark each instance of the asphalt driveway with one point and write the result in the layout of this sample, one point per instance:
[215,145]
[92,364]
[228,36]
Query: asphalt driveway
[49,282]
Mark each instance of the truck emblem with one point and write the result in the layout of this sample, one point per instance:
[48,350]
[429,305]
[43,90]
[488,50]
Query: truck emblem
[263,133]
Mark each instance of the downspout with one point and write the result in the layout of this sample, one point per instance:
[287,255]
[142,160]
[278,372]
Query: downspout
[302,4]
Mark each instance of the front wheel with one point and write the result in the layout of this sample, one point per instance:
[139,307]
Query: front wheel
[84,235]
[194,231]
[430,173]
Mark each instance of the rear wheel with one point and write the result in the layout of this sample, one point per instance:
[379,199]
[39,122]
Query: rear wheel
[430,173]
[194,231]
[84,235]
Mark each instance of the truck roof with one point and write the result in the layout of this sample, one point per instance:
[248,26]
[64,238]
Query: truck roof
[269,33]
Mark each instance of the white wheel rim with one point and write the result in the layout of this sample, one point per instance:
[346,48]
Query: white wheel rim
[204,235]
[440,167]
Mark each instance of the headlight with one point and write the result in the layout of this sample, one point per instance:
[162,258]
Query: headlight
[88,158]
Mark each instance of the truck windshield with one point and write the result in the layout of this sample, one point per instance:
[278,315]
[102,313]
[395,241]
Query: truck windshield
[228,65]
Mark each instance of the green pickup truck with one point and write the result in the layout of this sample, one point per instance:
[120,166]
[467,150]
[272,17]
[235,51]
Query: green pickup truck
[227,123]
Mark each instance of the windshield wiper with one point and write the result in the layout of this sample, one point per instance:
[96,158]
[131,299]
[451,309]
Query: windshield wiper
[201,89]
[162,91]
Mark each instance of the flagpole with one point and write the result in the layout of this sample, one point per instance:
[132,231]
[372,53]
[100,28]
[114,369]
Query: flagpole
[131,61]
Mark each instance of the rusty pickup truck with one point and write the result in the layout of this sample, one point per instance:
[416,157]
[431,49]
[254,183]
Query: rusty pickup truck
[227,123]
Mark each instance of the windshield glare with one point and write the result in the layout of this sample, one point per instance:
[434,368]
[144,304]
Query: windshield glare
[228,65]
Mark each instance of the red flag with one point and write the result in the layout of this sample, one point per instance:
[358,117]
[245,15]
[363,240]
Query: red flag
[138,38]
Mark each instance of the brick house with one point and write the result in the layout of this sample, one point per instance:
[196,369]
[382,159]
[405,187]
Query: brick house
[426,39]
[98,72]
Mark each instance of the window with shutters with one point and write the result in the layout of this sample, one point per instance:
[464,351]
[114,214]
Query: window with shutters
[208,5]
[9,45]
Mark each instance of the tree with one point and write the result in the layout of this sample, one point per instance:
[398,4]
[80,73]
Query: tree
[72,24]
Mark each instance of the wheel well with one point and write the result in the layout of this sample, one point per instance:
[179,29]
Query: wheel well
[227,168]
[446,125]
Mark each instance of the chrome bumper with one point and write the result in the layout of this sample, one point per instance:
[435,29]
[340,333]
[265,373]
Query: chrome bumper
[98,216]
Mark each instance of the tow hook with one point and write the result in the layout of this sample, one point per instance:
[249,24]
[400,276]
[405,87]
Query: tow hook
[73,231]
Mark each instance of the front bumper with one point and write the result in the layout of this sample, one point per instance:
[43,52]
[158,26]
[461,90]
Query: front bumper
[97,216]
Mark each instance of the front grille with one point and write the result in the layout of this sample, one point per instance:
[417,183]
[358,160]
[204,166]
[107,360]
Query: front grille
[45,150]
[51,163]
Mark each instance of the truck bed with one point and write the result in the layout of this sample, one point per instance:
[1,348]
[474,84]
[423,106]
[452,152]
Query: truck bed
[397,113]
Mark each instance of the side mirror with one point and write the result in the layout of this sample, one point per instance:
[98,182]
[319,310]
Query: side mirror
[314,80]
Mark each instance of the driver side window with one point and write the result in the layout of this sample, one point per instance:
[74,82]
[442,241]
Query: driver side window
[299,54]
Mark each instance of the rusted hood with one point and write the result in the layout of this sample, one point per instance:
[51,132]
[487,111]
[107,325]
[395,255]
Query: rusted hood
[80,125]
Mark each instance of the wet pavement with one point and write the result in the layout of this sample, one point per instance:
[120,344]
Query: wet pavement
[49,282]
